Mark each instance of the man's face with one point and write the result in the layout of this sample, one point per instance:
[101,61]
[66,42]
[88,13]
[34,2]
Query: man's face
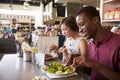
[86,26]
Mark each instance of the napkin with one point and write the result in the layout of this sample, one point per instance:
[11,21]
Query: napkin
[61,76]
[26,47]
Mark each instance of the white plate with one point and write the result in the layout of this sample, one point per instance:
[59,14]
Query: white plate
[40,78]
[50,58]
[44,69]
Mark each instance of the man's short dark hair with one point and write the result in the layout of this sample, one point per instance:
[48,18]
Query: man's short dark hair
[90,12]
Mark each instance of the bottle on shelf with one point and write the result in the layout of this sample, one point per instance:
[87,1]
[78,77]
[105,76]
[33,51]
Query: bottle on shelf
[117,13]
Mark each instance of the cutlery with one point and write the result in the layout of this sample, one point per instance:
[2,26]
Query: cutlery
[45,49]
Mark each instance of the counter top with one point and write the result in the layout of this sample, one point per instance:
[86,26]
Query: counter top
[14,68]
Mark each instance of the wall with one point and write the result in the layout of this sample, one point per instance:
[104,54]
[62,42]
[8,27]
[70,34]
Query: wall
[19,10]
[55,18]
[73,8]
[19,7]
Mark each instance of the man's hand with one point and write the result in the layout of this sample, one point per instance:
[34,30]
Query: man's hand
[109,73]
[83,61]
[70,58]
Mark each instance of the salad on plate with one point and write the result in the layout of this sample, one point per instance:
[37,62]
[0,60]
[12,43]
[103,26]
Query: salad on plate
[57,68]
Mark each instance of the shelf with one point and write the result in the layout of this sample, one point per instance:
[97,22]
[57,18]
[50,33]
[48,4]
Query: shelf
[109,5]
[111,1]
[112,21]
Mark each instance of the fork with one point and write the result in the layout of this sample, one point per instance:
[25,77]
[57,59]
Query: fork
[45,49]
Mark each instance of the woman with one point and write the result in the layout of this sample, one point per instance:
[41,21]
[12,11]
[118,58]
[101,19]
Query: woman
[74,44]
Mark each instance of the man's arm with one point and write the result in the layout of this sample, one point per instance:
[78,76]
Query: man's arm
[110,74]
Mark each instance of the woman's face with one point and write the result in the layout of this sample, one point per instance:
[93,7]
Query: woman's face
[66,30]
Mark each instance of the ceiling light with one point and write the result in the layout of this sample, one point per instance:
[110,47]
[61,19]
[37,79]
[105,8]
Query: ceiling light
[26,4]
[98,8]
[97,5]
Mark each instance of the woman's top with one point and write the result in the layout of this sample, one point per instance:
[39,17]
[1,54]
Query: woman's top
[71,46]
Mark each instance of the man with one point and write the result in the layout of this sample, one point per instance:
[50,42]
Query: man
[104,50]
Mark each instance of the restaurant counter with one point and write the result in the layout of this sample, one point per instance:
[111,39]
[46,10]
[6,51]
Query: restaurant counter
[13,67]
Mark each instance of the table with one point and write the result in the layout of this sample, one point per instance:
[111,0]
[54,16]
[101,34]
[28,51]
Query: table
[13,67]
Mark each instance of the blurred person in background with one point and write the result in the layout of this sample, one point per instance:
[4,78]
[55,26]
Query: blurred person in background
[116,30]
[8,35]
[9,30]
[26,44]
[74,44]
[13,28]
[104,50]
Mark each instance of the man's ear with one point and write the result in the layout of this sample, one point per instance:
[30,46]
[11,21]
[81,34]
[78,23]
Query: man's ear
[95,20]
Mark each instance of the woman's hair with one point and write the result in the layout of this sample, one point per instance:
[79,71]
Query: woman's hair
[71,23]
[89,11]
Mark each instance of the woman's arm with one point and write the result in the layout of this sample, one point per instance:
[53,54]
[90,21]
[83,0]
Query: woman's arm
[83,47]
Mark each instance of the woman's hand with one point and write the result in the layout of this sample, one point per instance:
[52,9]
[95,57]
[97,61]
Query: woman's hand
[53,47]
[63,50]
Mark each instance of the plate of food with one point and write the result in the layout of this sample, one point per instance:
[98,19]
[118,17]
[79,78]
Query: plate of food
[49,56]
[58,69]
